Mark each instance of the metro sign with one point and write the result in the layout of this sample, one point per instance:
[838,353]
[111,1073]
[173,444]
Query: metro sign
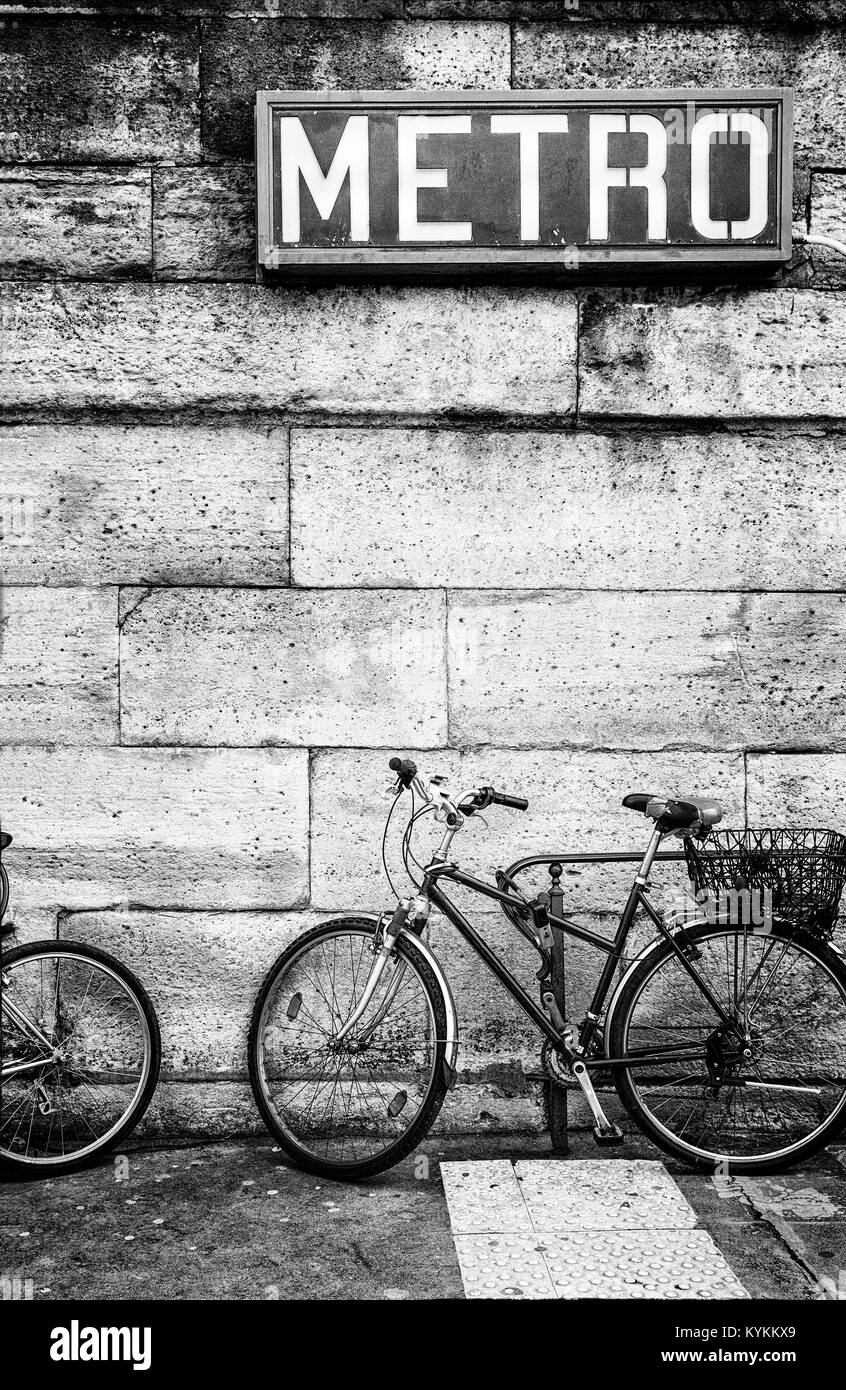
[543,180]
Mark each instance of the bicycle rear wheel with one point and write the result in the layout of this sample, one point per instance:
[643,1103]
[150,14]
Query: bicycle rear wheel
[352,1109]
[80,1054]
[760,1094]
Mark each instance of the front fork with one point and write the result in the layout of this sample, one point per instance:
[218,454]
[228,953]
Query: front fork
[411,912]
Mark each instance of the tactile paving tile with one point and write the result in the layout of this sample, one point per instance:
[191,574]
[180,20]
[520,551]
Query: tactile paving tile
[504,1266]
[484,1197]
[580,1229]
[638,1264]
[602,1195]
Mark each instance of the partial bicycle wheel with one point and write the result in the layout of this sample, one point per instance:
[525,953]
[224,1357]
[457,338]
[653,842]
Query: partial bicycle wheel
[79,1051]
[350,1109]
[755,1095]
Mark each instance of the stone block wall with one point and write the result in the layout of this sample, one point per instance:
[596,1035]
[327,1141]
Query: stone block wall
[574,541]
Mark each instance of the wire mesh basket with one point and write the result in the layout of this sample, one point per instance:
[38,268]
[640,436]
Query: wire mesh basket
[805,871]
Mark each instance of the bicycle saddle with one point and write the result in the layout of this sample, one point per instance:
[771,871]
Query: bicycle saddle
[675,813]
[4,839]
[638,801]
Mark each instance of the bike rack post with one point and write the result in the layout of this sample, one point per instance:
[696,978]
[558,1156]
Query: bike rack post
[557,1107]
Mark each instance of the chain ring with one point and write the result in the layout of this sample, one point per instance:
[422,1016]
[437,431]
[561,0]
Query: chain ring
[547,1053]
[549,1061]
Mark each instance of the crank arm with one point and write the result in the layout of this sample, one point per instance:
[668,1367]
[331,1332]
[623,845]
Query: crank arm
[604,1131]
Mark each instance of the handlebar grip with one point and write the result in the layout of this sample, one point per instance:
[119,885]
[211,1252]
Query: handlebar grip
[405,769]
[517,803]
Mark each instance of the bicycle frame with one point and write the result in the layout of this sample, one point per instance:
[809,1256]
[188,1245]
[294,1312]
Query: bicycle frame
[613,947]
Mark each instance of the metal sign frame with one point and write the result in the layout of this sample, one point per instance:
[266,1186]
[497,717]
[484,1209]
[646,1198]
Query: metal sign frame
[273,257]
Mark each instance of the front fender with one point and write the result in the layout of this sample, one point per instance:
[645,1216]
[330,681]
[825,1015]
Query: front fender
[451,1051]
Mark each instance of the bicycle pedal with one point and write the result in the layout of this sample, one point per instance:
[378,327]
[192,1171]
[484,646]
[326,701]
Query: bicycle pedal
[612,1135]
[7,928]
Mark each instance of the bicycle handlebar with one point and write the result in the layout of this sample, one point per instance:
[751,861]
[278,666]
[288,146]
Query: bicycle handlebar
[488,796]
[406,772]
[517,803]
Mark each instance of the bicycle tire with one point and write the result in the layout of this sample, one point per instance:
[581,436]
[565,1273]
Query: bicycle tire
[626,1080]
[17,1164]
[423,1121]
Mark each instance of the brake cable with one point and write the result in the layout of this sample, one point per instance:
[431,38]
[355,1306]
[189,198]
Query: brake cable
[407,852]
[405,847]
[384,842]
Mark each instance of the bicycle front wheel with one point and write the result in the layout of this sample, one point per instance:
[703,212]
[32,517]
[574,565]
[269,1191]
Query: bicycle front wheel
[79,1055]
[761,1084]
[351,1109]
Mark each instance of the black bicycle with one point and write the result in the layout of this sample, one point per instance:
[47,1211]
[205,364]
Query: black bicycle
[725,1036]
[79,1051]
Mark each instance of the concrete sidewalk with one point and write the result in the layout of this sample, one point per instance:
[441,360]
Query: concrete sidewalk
[234,1221]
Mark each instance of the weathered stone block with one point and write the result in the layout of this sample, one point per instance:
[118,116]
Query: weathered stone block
[75,223]
[204,223]
[409,351]
[58,666]
[165,827]
[568,509]
[647,670]
[30,923]
[250,666]
[98,89]
[115,504]
[803,789]
[723,356]
[210,1110]
[202,970]
[828,216]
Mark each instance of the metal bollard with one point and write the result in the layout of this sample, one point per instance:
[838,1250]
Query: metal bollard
[557,1106]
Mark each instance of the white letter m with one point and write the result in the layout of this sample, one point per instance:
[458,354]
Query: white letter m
[352,157]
